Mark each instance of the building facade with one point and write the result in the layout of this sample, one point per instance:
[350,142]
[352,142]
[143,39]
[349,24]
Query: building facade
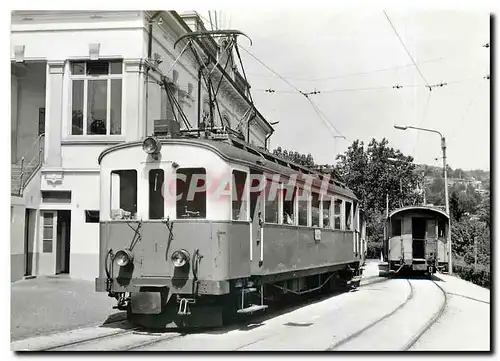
[82,81]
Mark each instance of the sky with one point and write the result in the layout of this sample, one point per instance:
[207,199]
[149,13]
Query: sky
[354,59]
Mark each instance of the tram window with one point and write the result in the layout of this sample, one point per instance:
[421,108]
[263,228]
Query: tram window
[124,194]
[255,191]
[441,228]
[156,202]
[271,202]
[315,209]
[337,220]
[348,217]
[288,208]
[191,193]
[303,207]
[396,227]
[239,194]
[326,211]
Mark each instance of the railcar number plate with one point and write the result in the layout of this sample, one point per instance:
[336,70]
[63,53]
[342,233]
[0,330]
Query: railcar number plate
[317,235]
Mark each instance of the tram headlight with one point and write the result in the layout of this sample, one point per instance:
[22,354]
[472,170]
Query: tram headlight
[123,258]
[180,258]
[151,145]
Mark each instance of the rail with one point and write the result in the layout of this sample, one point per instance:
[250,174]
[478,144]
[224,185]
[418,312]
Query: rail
[36,160]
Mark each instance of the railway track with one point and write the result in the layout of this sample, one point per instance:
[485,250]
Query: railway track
[431,321]
[415,337]
[132,338]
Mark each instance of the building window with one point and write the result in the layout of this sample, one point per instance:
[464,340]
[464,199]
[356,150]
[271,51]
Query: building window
[91,216]
[48,232]
[271,202]
[315,209]
[303,207]
[124,194]
[96,99]
[396,227]
[337,214]
[41,121]
[288,204]
[239,196]
[326,212]
[191,193]
[156,202]
[348,216]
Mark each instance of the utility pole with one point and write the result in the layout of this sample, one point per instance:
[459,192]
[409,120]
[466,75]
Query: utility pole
[475,254]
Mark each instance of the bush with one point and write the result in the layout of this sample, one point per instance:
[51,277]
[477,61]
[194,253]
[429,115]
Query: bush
[480,276]
[373,250]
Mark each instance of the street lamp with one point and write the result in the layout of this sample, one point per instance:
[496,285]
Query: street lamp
[443,148]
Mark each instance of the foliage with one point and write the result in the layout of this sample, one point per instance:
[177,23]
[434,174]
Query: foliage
[467,235]
[371,175]
[480,275]
[294,156]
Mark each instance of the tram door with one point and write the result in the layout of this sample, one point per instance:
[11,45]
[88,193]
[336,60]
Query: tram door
[256,221]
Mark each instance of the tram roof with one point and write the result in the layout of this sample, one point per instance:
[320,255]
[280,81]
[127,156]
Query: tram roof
[236,150]
[414,208]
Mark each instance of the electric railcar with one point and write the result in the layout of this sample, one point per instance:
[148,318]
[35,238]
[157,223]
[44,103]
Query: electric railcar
[417,239]
[182,246]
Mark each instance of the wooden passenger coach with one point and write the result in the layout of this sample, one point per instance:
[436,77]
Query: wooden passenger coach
[174,260]
[416,238]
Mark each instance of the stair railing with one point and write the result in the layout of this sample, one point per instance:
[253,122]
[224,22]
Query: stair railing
[36,159]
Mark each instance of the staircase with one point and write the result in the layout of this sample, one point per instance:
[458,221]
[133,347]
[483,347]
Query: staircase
[23,170]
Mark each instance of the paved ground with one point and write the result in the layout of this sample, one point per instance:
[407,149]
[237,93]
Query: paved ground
[43,305]
[382,314]
[465,323]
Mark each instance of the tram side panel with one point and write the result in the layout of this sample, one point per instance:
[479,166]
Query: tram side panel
[289,249]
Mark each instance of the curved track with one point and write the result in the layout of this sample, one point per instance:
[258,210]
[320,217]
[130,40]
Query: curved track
[431,321]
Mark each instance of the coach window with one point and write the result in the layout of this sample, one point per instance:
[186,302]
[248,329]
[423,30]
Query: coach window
[327,202]
[288,204]
[239,196]
[396,227]
[303,207]
[337,216]
[271,202]
[348,216]
[123,194]
[156,203]
[441,228]
[315,209]
[191,193]
[256,179]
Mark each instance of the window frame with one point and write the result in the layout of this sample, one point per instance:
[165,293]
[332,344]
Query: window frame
[351,225]
[85,78]
[202,216]
[287,187]
[301,194]
[246,194]
[111,192]
[339,215]
[327,198]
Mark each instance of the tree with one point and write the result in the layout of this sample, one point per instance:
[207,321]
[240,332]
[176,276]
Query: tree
[371,176]
[295,157]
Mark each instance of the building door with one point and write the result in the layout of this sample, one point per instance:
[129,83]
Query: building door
[63,241]
[29,240]
[418,226]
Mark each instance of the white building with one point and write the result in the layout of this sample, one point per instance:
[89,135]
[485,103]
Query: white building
[80,83]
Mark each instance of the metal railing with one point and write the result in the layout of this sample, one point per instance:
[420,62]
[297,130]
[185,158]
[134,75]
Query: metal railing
[34,162]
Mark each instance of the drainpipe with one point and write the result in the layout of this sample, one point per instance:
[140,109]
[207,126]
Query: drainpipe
[248,125]
[267,137]
[199,100]
[150,49]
